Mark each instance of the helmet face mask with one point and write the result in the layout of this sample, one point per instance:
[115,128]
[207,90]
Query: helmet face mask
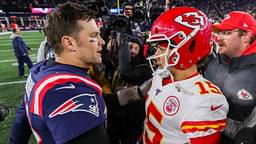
[185,33]
[163,51]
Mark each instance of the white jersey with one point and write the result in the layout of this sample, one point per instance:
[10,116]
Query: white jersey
[183,110]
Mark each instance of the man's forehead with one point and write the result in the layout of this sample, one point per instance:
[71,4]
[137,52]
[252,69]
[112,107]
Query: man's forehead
[90,26]
[133,44]
[128,6]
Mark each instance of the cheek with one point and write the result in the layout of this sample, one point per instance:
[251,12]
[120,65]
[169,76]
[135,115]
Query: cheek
[230,43]
[85,48]
[157,52]
[92,43]
[137,51]
[159,59]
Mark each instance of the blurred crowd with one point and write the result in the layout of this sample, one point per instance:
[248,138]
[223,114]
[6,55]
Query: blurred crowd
[206,6]
[224,7]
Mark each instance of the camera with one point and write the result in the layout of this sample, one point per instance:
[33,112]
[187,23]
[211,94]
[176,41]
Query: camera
[99,8]
[139,14]
[120,23]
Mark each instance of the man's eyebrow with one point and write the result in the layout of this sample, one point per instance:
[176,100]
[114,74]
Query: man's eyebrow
[94,33]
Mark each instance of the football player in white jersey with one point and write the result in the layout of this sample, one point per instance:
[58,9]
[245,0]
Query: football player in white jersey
[182,106]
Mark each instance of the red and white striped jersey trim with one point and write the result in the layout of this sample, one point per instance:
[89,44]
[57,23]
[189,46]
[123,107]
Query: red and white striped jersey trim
[49,82]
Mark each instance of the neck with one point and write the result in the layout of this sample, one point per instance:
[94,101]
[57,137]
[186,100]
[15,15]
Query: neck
[69,60]
[184,74]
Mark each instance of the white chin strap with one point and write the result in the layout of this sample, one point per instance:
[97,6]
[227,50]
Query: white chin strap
[163,73]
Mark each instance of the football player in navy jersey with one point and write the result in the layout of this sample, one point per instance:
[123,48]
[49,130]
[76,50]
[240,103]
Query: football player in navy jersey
[63,104]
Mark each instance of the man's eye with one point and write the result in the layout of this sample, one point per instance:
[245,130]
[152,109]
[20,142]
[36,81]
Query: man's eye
[94,35]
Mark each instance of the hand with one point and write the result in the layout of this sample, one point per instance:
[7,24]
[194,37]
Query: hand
[144,88]
[128,95]
[245,136]
[124,39]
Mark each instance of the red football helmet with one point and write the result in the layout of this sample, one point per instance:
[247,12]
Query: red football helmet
[185,32]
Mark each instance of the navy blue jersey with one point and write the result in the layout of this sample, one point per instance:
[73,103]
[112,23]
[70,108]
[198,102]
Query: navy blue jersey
[62,102]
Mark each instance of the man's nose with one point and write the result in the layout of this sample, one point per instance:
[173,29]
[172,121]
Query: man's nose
[219,38]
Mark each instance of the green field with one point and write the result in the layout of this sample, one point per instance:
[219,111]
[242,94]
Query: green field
[11,94]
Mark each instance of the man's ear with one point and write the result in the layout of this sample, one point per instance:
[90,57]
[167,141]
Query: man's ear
[69,43]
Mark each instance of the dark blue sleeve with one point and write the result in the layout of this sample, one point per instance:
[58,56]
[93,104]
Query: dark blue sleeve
[19,46]
[20,131]
[97,135]
[71,109]
[23,46]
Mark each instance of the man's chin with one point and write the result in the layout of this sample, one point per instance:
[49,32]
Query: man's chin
[221,50]
[99,61]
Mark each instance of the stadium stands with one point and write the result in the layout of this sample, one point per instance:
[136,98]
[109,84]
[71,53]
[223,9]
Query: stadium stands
[21,9]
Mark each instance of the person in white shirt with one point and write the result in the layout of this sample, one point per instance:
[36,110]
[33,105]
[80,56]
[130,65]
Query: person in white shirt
[182,106]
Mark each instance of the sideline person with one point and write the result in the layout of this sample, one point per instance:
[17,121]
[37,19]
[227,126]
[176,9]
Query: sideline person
[21,51]
[233,70]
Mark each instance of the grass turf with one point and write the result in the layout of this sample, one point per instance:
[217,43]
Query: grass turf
[11,94]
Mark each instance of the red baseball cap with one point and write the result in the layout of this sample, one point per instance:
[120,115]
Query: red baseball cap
[234,20]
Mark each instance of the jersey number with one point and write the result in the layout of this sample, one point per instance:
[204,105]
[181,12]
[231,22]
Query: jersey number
[207,87]
[152,110]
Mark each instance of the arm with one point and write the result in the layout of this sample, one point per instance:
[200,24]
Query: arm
[132,73]
[207,118]
[78,104]
[23,47]
[246,135]
[27,47]
[137,74]
[19,46]
[20,131]
[133,93]
[97,135]
[243,132]
[124,56]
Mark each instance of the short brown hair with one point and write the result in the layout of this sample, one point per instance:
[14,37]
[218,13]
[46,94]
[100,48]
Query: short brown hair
[64,21]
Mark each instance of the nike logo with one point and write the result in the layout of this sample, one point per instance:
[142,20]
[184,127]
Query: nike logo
[213,108]
[70,86]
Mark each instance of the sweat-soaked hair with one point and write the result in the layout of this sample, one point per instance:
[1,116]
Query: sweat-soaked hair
[63,21]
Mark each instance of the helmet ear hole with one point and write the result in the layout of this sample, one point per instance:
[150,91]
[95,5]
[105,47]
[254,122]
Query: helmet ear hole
[174,59]
[181,36]
[192,46]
